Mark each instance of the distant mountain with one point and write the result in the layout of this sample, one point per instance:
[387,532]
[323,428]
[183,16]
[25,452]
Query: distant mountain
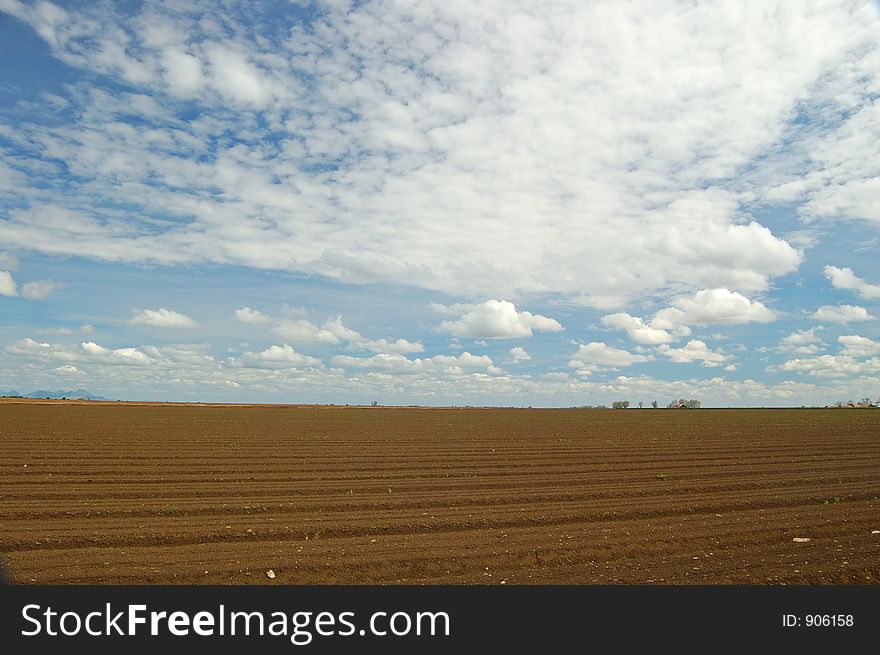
[78,394]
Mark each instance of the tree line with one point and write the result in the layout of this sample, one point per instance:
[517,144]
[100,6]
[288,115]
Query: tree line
[681,403]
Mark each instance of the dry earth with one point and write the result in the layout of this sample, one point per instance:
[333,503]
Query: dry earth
[95,492]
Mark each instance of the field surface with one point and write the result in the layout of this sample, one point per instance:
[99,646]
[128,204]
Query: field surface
[198,494]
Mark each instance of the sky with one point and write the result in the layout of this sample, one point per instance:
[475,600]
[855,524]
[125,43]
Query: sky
[471,202]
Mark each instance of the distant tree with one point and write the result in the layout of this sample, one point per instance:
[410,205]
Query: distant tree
[865,401]
[693,404]
[641,404]
[654,404]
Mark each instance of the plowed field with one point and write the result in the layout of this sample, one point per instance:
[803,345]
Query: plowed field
[197,494]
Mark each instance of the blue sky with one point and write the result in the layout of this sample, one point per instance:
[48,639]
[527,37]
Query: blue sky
[441,203]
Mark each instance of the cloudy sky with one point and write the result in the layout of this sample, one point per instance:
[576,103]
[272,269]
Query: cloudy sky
[482,202]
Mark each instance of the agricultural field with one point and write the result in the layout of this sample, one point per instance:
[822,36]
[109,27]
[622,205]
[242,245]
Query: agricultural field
[202,494]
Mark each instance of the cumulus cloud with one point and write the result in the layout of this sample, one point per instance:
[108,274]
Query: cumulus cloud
[831,366]
[193,357]
[841,314]
[636,329]
[177,354]
[303,331]
[596,356]
[275,357]
[858,355]
[7,284]
[334,332]
[858,346]
[519,354]
[694,351]
[38,289]
[67,369]
[713,307]
[400,346]
[844,278]
[803,342]
[27,347]
[336,327]
[126,356]
[706,307]
[443,365]
[162,318]
[251,316]
[496,319]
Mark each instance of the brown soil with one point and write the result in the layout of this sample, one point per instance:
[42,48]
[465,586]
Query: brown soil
[196,494]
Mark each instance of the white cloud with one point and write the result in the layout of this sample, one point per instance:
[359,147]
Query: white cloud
[334,331]
[179,354]
[27,347]
[38,289]
[493,129]
[86,328]
[233,76]
[126,356]
[858,346]
[169,356]
[441,365]
[831,366]
[183,72]
[341,332]
[436,380]
[713,307]
[275,357]
[636,328]
[694,351]
[496,319]
[519,354]
[303,331]
[597,356]
[857,356]
[7,284]
[67,369]
[401,346]
[163,318]
[844,278]
[706,307]
[251,316]
[841,314]
[803,342]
